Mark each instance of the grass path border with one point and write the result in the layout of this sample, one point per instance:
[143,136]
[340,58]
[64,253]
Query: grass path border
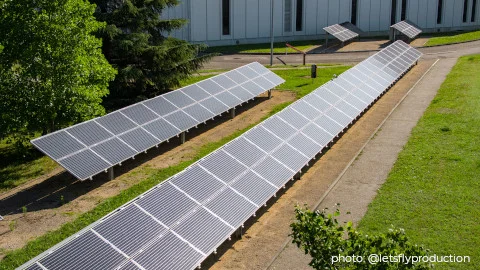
[432,190]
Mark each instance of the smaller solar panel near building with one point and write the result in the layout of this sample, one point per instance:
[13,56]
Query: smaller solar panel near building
[340,32]
[407,28]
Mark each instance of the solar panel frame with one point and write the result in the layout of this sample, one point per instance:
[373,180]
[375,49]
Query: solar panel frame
[407,29]
[340,32]
[198,232]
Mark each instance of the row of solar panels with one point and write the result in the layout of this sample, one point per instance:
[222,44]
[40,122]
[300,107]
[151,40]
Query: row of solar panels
[177,224]
[407,29]
[91,147]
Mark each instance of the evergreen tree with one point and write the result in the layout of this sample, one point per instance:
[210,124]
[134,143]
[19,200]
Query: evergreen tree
[135,42]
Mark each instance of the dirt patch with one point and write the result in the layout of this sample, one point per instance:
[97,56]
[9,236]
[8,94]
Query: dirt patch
[58,199]
[266,235]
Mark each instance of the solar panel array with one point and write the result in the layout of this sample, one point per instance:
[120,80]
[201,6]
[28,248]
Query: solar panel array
[407,29]
[91,147]
[340,32]
[177,224]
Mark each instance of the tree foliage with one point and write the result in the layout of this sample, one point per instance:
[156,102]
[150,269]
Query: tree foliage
[52,71]
[135,42]
[320,235]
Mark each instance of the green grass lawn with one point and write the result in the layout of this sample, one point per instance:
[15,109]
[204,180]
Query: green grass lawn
[296,81]
[453,38]
[433,191]
[16,168]
[278,47]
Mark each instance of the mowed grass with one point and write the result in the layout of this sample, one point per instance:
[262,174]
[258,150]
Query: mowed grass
[278,47]
[453,38]
[295,78]
[17,168]
[433,191]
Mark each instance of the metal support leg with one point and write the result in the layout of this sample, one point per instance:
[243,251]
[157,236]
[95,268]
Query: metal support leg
[270,94]
[111,175]
[239,232]
[232,113]
[182,137]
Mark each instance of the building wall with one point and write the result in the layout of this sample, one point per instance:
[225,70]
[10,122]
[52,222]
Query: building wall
[250,19]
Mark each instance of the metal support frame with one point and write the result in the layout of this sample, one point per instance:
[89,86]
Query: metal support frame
[239,232]
[270,94]
[232,112]
[182,137]
[111,174]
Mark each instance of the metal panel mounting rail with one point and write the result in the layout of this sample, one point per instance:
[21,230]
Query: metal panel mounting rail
[180,222]
[94,146]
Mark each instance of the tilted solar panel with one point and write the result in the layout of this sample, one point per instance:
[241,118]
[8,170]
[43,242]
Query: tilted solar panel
[340,32]
[407,29]
[94,146]
[180,222]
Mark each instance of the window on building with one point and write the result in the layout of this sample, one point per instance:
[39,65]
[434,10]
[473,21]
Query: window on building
[404,10]
[465,10]
[353,19]
[439,11]
[393,16]
[474,10]
[299,17]
[287,27]
[226,17]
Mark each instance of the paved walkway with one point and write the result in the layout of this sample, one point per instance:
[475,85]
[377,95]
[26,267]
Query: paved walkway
[234,61]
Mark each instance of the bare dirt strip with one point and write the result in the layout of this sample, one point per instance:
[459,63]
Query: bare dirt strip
[46,211]
[263,243]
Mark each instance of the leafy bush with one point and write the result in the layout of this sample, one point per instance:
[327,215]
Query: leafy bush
[321,236]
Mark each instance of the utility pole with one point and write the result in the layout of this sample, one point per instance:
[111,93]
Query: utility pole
[271,33]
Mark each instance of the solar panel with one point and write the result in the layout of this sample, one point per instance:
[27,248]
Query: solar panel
[407,29]
[340,32]
[180,222]
[111,139]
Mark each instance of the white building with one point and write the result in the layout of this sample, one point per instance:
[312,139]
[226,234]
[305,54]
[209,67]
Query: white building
[225,22]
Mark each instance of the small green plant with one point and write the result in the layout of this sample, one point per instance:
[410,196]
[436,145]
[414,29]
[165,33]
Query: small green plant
[445,129]
[24,210]
[62,200]
[12,225]
[320,235]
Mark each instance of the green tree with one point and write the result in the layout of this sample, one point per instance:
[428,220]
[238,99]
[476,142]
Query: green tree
[135,42]
[52,70]
[321,236]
